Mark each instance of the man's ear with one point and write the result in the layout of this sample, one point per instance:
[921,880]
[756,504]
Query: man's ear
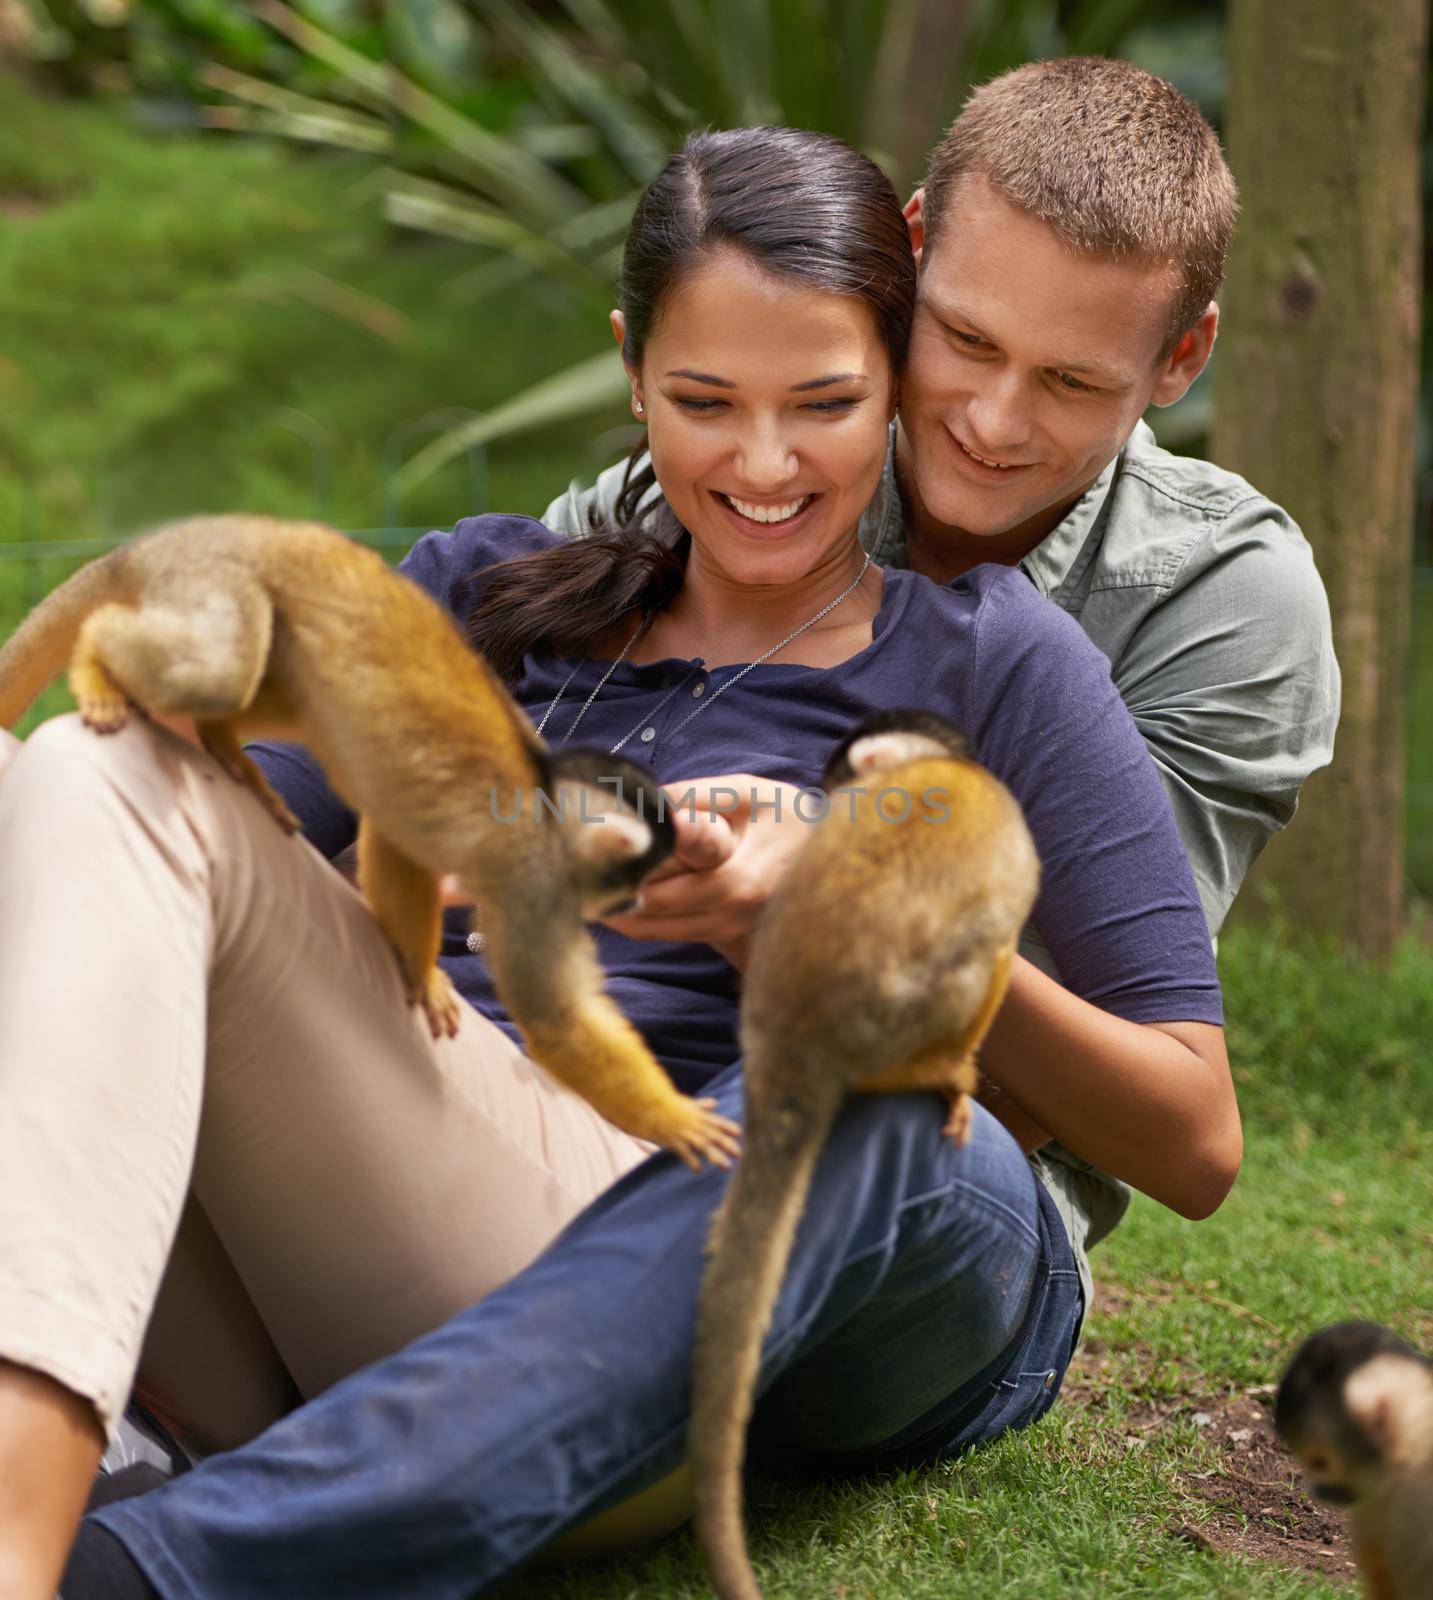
[618,323]
[1187,360]
[914,214]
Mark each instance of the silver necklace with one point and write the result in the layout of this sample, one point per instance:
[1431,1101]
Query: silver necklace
[648,717]
[475,939]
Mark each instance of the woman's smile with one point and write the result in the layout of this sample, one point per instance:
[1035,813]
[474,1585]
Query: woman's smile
[775,519]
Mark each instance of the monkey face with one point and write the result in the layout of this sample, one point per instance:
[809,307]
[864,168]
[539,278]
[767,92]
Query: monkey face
[1328,1475]
[1351,1396]
[614,825]
[1333,1451]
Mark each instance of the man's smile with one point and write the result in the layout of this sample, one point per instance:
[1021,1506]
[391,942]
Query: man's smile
[986,468]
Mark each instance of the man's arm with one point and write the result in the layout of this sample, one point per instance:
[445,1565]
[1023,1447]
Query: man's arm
[572,513]
[1234,687]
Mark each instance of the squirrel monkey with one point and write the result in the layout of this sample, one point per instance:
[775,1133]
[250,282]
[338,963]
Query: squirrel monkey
[1356,1409]
[289,630]
[878,965]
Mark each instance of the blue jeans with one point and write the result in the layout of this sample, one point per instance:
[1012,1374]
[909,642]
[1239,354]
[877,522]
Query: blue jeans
[931,1303]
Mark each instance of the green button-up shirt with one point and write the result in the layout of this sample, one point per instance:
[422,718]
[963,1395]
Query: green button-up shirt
[1204,597]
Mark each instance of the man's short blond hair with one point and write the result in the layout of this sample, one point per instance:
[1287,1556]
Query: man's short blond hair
[1114,159]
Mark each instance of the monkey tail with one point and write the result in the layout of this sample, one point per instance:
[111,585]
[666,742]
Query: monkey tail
[750,1246]
[40,648]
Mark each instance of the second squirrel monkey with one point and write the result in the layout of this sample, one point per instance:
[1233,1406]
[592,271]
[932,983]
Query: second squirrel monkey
[1356,1409]
[261,628]
[878,965]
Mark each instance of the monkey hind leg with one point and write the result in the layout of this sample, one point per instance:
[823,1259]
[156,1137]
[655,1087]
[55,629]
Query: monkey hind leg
[221,741]
[102,702]
[405,899]
[201,653]
[994,996]
[944,1067]
[948,1065]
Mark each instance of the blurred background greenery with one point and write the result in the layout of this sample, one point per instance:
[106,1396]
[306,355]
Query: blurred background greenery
[392,231]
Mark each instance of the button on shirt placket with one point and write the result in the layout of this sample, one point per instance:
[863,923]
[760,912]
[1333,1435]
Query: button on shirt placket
[695,692]
[646,731]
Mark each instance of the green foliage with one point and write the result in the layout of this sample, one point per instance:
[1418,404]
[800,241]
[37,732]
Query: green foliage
[179,312]
[527,132]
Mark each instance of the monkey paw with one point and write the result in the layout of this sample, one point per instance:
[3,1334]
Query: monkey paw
[696,1133]
[958,1123]
[440,1004]
[104,712]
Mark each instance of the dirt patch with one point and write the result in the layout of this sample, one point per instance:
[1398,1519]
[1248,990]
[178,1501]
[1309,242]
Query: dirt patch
[1257,1504]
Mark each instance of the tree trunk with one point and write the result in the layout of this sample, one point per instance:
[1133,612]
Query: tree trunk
[1315,389]
[920,69]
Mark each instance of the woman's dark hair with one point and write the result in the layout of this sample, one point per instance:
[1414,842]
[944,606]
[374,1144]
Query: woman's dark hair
[800,205]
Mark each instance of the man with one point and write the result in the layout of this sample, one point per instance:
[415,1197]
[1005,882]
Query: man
[1071,238]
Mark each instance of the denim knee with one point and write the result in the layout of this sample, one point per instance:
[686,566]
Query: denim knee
[936,1294]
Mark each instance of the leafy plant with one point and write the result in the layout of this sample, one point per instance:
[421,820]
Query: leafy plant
[527,130]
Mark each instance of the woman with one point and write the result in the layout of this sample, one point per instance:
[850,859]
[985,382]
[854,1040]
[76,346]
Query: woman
[355,1183]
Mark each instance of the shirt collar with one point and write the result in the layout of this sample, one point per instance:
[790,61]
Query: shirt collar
[882,527]
[1064,553]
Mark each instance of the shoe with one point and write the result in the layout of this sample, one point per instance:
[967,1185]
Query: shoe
[142,1439]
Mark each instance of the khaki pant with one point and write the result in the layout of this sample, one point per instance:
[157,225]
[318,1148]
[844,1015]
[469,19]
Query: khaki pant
[194,1006]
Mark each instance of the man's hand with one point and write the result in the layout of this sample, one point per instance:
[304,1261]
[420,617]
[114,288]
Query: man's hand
[1028,1133]
[733,848]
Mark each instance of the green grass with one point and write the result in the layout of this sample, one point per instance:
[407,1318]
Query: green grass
[1332,1217]
[1062,1510]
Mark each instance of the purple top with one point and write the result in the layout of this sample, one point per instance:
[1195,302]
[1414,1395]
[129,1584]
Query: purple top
[1117,911]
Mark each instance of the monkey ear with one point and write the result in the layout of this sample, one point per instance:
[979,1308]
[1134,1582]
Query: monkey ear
[1383,1395]
[600,834]
[873,753]
[622,837]
[876,752]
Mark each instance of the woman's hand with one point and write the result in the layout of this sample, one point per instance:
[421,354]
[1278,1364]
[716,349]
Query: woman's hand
[735,840]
